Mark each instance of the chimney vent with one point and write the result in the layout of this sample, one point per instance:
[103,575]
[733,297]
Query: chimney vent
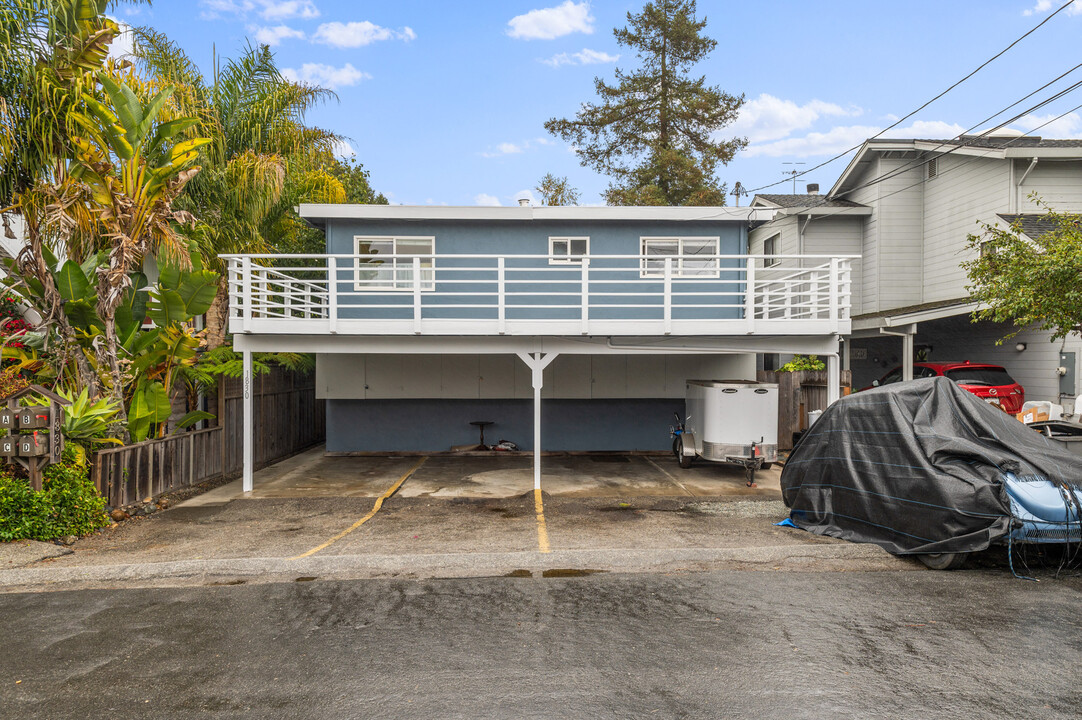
[813,188]
[524,202]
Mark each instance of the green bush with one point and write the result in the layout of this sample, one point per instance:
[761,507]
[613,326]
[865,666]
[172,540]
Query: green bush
[68,504]
[803,362]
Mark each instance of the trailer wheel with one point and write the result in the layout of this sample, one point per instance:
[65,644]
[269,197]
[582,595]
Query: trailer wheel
[676,447]
[944,561]
[684,460]
[766,466]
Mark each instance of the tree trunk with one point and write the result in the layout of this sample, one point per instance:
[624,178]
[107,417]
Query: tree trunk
[218,315]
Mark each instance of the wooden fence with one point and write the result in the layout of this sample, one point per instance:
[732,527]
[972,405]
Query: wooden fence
[287,418]
[799,393]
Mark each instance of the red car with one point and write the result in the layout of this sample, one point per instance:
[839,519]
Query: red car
[991,383]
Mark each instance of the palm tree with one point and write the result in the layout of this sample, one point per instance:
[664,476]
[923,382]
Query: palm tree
[50,51]
[262,159]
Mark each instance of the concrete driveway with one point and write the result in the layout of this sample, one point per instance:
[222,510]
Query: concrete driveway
[313,474]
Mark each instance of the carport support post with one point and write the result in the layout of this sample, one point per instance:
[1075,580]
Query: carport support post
[834,379]
[537,363]
[247,482]
[907,356]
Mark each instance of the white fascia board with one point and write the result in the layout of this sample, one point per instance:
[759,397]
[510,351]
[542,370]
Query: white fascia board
[935,147]
[1052,152]
[311,211]
[918,316]
[826,210]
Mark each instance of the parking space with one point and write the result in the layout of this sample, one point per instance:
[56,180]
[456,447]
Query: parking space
[314,474]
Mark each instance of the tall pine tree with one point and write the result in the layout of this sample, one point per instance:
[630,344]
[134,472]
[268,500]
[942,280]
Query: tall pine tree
[653,132]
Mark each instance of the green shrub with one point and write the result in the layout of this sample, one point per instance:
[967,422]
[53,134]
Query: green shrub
[68,504]
[803,362]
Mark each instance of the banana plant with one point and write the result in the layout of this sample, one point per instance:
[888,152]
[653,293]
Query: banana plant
[85,423]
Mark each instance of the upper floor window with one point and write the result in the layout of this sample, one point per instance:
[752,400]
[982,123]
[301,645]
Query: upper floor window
[389,265]
[691,256]
[770,251]
[568,250]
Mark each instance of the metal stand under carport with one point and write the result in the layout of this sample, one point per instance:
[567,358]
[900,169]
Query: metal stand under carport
[537,362]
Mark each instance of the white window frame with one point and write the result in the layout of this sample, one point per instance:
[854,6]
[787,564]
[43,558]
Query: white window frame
[428,273]
[770,255]
[567,259]
[678,267]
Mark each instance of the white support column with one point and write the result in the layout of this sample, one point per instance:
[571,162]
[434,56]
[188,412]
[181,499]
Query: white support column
[537,363]
[907,357]
[834,379]
[248,463]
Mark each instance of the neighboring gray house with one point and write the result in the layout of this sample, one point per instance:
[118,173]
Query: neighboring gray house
[906,207]
[425,319]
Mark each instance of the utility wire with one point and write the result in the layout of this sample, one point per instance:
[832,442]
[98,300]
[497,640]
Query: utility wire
[937,97]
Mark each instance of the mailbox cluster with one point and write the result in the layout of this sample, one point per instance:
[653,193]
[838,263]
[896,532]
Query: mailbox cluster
[35,443]
[32,434]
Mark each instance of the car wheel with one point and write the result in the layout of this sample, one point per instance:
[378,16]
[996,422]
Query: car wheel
[944,561]
[684,460]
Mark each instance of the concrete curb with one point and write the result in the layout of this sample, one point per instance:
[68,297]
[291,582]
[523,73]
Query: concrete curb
[189,572]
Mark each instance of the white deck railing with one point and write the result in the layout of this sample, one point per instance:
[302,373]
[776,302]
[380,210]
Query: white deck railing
[630,295]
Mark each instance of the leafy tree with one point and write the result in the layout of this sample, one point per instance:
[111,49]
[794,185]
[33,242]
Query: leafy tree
[556,191]
[654,131]
[1029,281]
[263,159]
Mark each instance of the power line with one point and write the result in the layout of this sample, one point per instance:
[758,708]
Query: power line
[937,97]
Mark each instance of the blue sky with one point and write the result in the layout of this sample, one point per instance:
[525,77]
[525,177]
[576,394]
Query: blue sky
[444,101]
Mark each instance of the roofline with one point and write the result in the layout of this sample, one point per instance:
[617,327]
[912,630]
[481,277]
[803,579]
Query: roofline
[315,213]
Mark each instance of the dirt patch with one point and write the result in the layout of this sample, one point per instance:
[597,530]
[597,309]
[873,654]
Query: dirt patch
[568,572]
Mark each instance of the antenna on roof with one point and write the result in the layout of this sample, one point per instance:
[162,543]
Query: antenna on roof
[794,172]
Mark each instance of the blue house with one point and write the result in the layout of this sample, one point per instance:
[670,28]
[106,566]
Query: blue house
[425,319]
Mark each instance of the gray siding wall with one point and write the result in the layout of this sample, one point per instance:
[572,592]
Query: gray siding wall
[786,230]
[437,425]
[1057,182]
[966,192]
[839,235]
[869,289]
[900,234]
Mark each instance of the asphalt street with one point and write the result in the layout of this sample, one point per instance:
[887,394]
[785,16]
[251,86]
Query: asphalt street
[968,644]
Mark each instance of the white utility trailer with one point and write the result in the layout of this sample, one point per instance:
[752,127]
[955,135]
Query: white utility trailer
[729,421]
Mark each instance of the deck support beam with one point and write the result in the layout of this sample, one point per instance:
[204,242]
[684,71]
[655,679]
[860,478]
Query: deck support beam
[248,482]
[537,362]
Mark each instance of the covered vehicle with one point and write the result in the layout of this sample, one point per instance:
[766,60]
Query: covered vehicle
[991,383]
[925,468]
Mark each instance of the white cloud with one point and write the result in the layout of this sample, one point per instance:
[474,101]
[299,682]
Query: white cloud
[343,149]
[122,43]
[326,76]
[1062,128]
[283,9]
[554,22]
[510,148]
[358,34]
[274,36]
[770,118]
[487,200]
[1044,6]
[267,9]
[585,57]
[841,138]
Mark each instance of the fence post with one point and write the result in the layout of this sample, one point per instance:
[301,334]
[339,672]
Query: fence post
[417,295]
[585,313]
[749,294]
[501,289]
[834,291]
[668,296]
[332,294]
[246,293]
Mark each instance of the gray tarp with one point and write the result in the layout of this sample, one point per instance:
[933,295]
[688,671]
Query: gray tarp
[916,467]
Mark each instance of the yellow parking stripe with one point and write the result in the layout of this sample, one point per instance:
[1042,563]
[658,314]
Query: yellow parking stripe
[542,531]
[375,509]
